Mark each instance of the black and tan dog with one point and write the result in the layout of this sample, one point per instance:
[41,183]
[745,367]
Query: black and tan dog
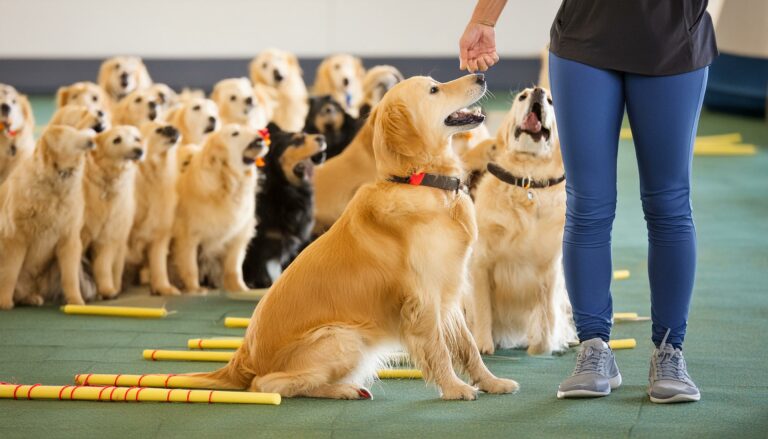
[284,204]
[327,117]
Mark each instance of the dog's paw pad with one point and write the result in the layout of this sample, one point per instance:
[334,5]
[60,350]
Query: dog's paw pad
[364,393]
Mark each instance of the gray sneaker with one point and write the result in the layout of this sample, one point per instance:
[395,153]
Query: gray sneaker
[596,372]
[668,379]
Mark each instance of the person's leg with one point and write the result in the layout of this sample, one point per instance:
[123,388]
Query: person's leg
[589,105]
[664,113]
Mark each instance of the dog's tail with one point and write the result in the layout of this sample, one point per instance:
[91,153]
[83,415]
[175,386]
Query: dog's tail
[233,376]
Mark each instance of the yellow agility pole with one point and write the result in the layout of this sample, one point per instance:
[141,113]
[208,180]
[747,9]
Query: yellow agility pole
[624,343]
[236,322]
[214,343]
[402,374]
[620,274]
[136,394]
[624,315]
[223,357]
[115,311]
[161,380]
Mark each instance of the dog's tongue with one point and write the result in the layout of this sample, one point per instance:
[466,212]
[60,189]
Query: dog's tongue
[532,123]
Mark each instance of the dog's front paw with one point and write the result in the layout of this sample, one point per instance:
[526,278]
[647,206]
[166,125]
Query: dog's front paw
[498,385]
[460,392]
[166,290]
[75,301]
[6,304]
[34,300]
[108,293]
[485,345]
[540,348]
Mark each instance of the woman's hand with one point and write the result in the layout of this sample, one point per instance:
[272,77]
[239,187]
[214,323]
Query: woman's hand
[477,48]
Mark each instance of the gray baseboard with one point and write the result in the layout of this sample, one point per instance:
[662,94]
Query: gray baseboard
[43,76]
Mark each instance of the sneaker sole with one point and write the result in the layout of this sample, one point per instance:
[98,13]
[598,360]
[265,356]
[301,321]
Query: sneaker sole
[614,382]
[676,398]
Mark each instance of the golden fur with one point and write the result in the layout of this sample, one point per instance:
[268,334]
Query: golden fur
[519,297]
[156,201]
[41,213]
[278,73]
[84,93]
[17,130]
[137,108]
[121,75]
[391,270]
[81,117]
[108,187]
[195,118]
[216,209]
[341,76]
[239,104]
[377,81]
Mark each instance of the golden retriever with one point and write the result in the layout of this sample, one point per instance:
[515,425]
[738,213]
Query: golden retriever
[341,77]
[156,199]
[216,209]
[519,297]
[195,118]
[391,270]
[41,213]
[137,108]
[81,117]
[377,81]
[108,186]
[121,75]
[238,104]
[84,93]
[17,129]
[466,141]
[279,72]
[165,96]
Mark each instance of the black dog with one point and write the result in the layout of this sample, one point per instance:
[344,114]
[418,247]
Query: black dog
[284,204]
[327,117]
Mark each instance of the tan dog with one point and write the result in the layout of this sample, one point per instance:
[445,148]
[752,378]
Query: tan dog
[239,104]
[216,210]
[138,108]
[476,161]
[341,76]
[165,96]
[81,117]
[466,141]
[121,75]
[84,93]
[41,213]
[279,72]
[156,201]
[195,118]
[519,293]
[390,271]
[377,81]
[17,128]
[109,204]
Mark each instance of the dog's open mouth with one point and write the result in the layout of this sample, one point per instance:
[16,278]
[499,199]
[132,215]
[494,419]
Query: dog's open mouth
[532,125]
[465,116]
[254,151]
[209,128]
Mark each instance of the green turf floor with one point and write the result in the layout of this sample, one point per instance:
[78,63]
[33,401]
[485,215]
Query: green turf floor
[724,348]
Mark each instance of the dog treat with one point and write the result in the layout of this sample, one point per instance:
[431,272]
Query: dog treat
[622,343]
[135,394]
[620,274]
[236,322]
[115,311]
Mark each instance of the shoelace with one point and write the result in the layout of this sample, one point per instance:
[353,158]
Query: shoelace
[670,365]
[590,360]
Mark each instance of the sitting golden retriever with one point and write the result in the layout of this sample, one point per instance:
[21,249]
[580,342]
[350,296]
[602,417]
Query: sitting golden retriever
[108,185]
[17,128]
[216,209]
[239,104]
[391,270]
[195,118]
[341,77]
[84,93]
[156,199]
[41,213]
[279,72]
[138,108]
[121,75]
[81,117]
[519,297]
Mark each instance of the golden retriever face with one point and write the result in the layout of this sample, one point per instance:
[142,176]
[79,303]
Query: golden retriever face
[164,95]
[159,138]
[343,72]
[236,146]
[529,127]
[379,80]
[272,66]
[119,145]
[12,113]
[81,117]
[414,121]
[199,116]
[83,93]
[63,148]
[137,108]
[121,75]
[236,100]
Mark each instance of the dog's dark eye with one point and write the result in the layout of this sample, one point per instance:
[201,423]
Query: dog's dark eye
[138,100]
[522,97]
[74,96]
[232,98]
[236,133]
[158,130]
[433,90]
[337,66]
[196,108]
[95,99]
[13,102]
[117,66]
[264,66]
[117,140]
[549,100]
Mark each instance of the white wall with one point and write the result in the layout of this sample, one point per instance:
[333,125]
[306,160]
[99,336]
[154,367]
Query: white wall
[240,28]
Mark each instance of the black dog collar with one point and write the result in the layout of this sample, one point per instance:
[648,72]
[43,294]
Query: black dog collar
[444,182]
[523,182]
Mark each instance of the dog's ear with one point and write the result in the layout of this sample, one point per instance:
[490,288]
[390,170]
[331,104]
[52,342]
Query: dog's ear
[214,96]
[398,76]
[395,131]
[103,77]
[294,63]
[26,110]
[273,128]
[359,69]
[62,96]
[506,129]
[144,79]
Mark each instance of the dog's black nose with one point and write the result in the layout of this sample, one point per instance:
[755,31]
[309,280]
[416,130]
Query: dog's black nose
[5,109]
[124,79]
[276,74]
[345,81]
[211,120]
[137,153]
[100,113]
[538,94]
[249,101]
[480,78]
[169,131]
[152,105]
[99,127]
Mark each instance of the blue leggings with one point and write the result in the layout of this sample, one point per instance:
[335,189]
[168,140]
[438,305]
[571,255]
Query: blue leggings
[663,112]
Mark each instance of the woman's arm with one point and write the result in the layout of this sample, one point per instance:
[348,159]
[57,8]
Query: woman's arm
[478,44]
